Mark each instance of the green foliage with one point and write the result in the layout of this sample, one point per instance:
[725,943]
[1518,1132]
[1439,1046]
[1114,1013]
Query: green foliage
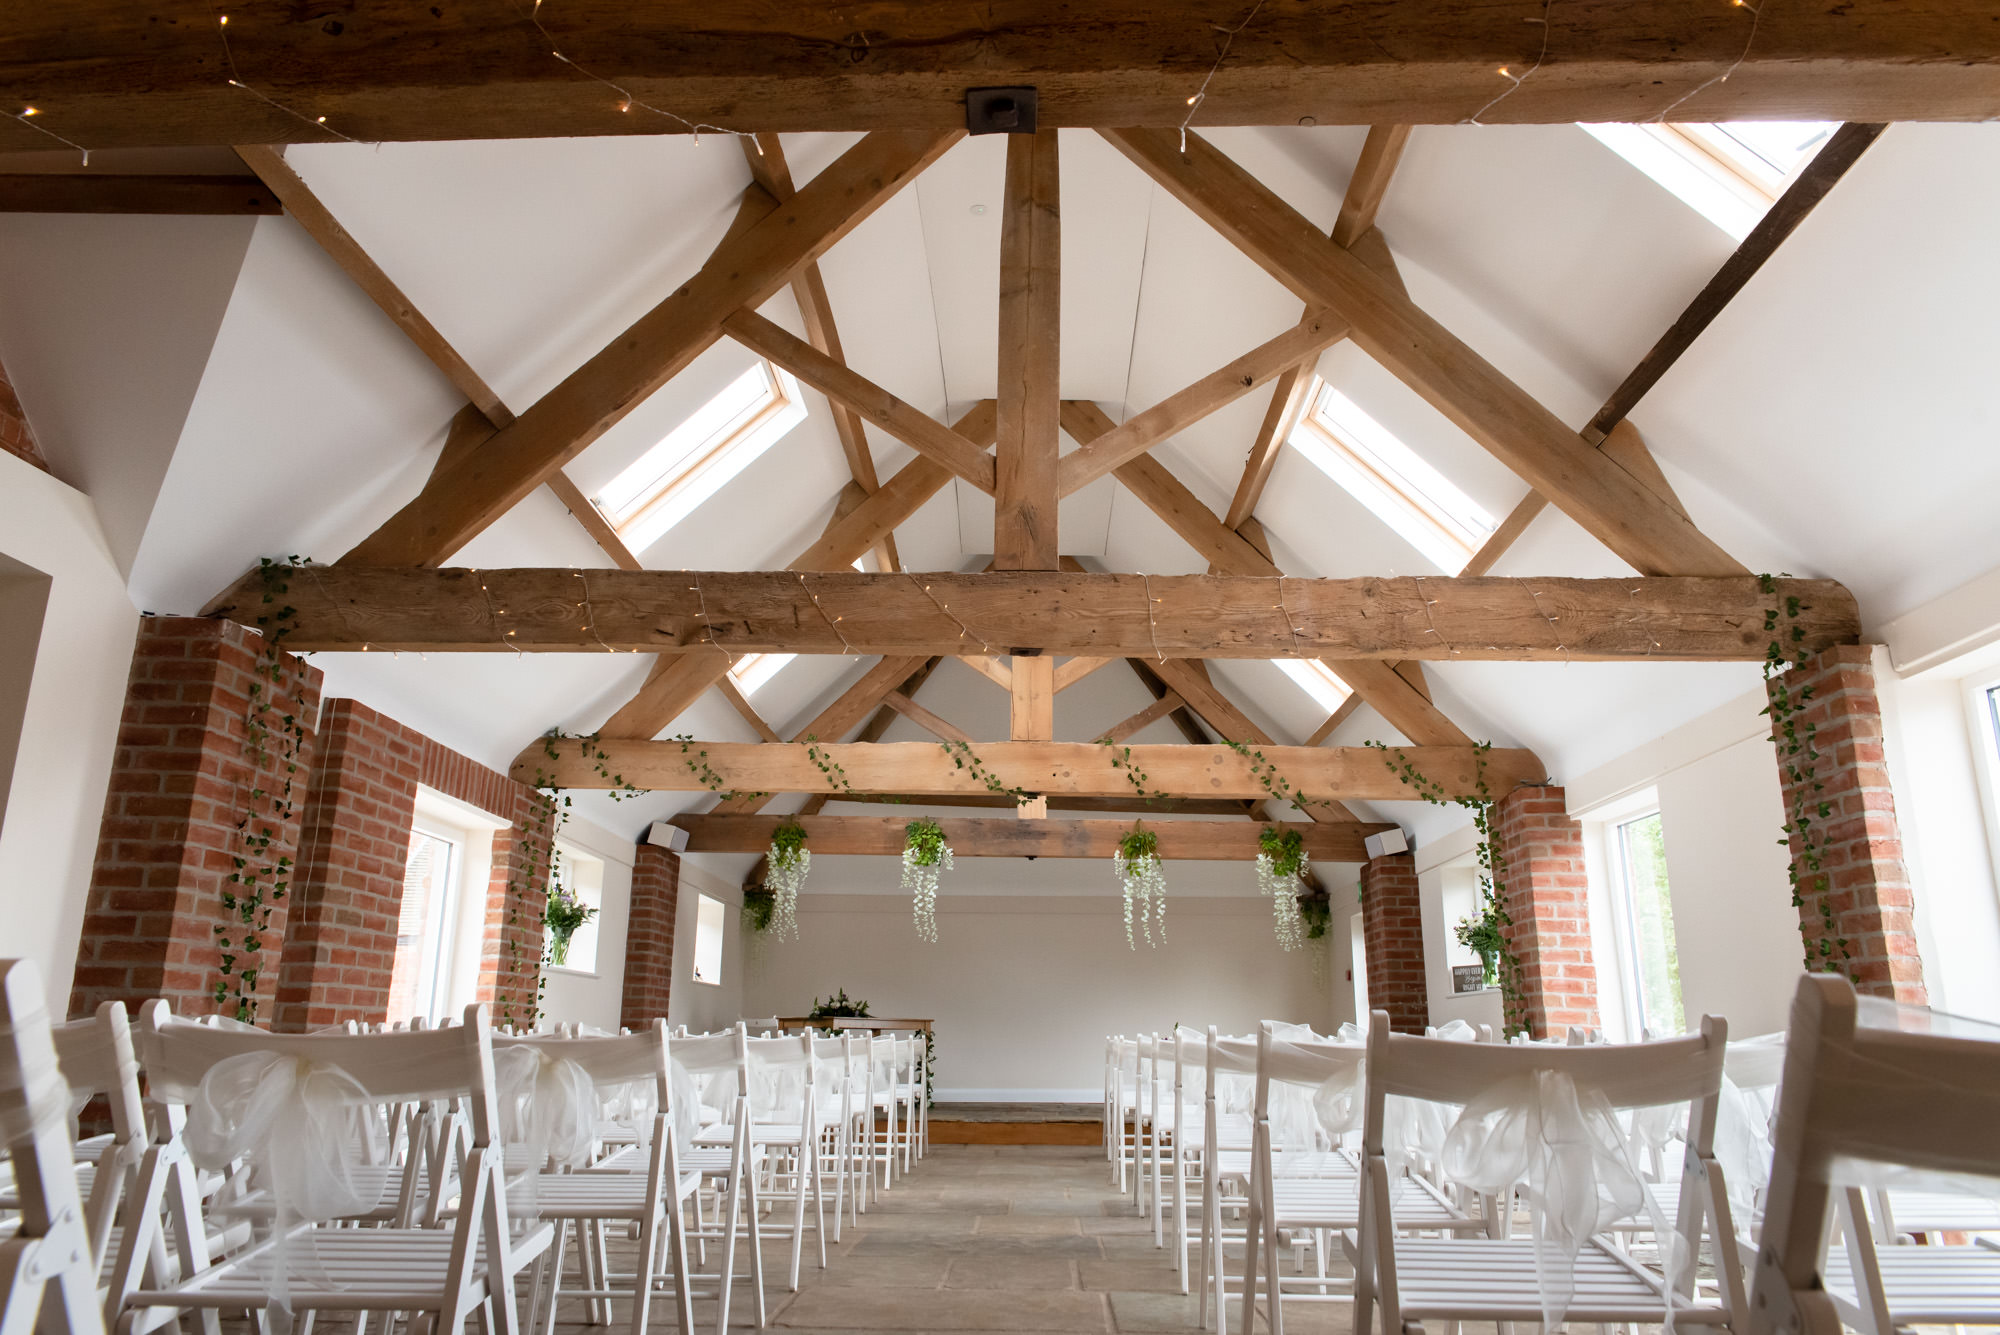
[1317,910]
[838,1007]
[1274,783]
[1481,934]
[1285,848]
[962,757]
[1121,760]
[1492,867]
[923,842]
[1794,736]
[564,915]
[835,773]
[272,741]
[1138,844]
[758,906]
[697,765]
[788,841]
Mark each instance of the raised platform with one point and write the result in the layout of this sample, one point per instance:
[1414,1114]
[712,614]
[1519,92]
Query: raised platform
[1016,1124]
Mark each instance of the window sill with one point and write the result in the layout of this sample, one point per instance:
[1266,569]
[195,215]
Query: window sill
[574,973]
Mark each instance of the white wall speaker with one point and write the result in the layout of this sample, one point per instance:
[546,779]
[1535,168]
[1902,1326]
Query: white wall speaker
[667,836]
[1387,842]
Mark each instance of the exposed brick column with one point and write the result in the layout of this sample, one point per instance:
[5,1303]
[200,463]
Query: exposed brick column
[16,436]
[179,784]
[649,935]
[340,944]
[1866,887]
[1548,896]
[1392,927]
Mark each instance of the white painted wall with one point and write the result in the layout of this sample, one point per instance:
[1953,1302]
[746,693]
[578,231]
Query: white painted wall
[1024,988]
[62,761]
[594,996]
[704,1007]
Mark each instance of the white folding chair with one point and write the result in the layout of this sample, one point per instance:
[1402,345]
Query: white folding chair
[1861,1098]
[727,1161]
[446,1274]
[648,1199]
[1228,1135]
[48,1279]
[1562,1101]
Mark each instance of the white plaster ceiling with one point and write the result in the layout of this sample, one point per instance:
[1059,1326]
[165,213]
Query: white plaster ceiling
[223,392]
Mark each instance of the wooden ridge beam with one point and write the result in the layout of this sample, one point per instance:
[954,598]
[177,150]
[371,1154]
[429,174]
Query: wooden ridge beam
[457,505]
[766,155]
[705,613]
[102,192]
[883,836]
[1029,373]
[1469,390]
[1082,769]
[123,74]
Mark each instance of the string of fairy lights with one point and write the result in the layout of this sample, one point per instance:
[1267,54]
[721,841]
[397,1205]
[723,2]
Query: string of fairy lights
[627,101]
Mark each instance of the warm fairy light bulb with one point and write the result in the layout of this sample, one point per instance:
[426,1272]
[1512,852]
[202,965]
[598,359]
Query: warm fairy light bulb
[1504,74]
[320,121]
[31,111]
[225,20]
[1196,98]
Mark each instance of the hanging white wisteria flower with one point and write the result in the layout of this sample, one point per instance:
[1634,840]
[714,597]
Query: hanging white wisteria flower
[1144,882]
[1281,871]
[785,869]
[925,855]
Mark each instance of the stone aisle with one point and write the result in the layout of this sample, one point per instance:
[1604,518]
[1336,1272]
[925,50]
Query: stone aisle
[987,1238]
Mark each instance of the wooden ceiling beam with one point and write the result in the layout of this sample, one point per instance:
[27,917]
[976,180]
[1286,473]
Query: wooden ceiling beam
[1028,449]
[1469,390]
[116,74]
[941,728]
[914,427]
[870,692]
[883,836]
[900,497]
[741,704]
[1343,621]
[1073,670]
[1178,411]
[1217,710]
[1144,719]
[990,668]
[766,155]
[1130,803]
[744,271]
[1078,768]
[101,192]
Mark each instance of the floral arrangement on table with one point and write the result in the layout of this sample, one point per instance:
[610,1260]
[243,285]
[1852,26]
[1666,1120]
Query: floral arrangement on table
[1482,936]
[785,869]
[1281,873]
[838,1007]
[565,914]
[925,856]
[1141,877]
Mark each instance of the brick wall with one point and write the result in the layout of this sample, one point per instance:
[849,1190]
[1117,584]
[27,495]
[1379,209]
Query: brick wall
[1548,896]
[1865,886]
[1392,928]
[340,949]
[180,781]
[649,935]
[16,436]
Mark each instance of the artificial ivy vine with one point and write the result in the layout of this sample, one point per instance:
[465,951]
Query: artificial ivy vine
[1274,783]
[1121,760]
[963,757]
[259,876]
[696,762]
[1794,736]
[834,772]
[1281,873]
[1492,867]
[925,856]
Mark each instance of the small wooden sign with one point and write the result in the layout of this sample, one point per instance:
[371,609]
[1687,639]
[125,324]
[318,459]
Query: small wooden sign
[1468,978]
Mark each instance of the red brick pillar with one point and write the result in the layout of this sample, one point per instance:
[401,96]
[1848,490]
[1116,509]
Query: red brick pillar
[1392,928]
[1860,893]
[1548,896]
[180,783]
[649,935]
[16,436]
[340,944]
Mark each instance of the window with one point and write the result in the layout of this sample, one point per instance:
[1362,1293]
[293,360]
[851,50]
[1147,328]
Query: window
[1637,854]
[711,916]
[1317,680]
[693,461]
[1386,475]
[420,977]
[1730,172]
[583,876]
[751,671]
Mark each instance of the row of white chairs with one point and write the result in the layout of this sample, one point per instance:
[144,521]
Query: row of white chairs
[423,1174]
[1437,1170]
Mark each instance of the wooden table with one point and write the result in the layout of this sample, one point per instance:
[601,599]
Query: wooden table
[868,1022]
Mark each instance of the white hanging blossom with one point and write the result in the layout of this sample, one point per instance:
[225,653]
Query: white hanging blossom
[1287,922]
[1145,884]
[925,856]
[784,875]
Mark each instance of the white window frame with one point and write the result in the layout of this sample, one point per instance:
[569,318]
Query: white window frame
[1985,730]
[1631,968]
[752,672]
[702,916]
[472,829]
[1702,167]
[1398,485]
[654,493]
[1317,680]
[586,881]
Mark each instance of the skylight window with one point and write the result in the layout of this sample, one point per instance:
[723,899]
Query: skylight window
[1317,680]
[1386,475]
[697,457]
[751,671]
[1730,172]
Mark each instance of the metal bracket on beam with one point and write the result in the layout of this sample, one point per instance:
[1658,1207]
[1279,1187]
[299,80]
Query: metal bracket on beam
[1000,110]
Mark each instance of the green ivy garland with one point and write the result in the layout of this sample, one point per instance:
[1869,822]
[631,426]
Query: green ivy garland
[1794,736]
[963,757]
[1274,783]
[1121,760]
[260,877]
[1492,866]
[696,762]
[834,772]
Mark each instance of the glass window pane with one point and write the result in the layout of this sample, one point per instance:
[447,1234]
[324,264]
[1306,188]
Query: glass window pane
[1649,917]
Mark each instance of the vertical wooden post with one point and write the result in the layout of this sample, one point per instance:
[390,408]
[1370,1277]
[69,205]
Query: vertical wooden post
[1024,503]
[1033,716]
